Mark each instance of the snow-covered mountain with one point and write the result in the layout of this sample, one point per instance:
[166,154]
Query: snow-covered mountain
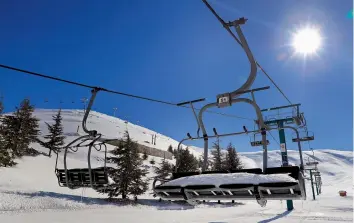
[110,127]
[30,188]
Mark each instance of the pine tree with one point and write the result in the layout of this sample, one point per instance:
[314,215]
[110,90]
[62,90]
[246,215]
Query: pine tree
[28,128]
[55,137]
[9,133]
[139,183]
[186,162]
[1,107]
[129,175]
[145,155]
[170,149]
[201,162]
[152,161]
[163,170]
[6,158]
[217,157]
[232,161]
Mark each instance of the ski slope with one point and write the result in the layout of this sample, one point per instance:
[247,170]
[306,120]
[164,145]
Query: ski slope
[29,192]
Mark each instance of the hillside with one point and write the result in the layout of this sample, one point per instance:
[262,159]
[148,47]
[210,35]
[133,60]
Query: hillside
[29,192]
[110,127]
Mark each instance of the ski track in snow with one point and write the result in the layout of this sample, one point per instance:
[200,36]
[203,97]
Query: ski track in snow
[29,192]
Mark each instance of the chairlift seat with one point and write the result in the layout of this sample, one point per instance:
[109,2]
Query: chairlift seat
[170,192]
[209,192]
[236,186]
[81,177]
[303,139]
[283,190]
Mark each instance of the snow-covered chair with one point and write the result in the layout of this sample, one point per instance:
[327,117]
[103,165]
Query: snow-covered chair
[279,183]
[284,190]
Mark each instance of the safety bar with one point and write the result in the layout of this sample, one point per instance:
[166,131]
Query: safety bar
[243,132]
[255,89]
[280,107]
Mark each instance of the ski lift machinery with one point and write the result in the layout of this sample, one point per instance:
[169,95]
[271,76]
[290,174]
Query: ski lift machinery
[96,178]
[185,186]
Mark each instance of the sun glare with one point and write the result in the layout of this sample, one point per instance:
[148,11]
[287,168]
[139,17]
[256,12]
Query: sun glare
[307,41]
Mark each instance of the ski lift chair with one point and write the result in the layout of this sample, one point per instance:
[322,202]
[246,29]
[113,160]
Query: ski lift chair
[84,177]
[192,193]
[307,136]
[287,183]
[256,140]
[96,178]
[293,188]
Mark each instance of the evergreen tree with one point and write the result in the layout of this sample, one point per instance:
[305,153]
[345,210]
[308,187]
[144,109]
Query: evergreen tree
[232,161]
[55,137]
[129,175]
[152,161]
[6,158]
[186,162]
[28,128]
[145,155]
[164,169]
[1,107]
[201,162]
[139,183]
[216,153]
[9,139]
[170,149]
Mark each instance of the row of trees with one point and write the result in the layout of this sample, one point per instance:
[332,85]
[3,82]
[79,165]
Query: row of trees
[17,132]
[221,160]
[19,129]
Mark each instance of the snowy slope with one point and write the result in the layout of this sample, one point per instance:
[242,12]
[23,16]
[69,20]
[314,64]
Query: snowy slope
[29,192]
[110,127]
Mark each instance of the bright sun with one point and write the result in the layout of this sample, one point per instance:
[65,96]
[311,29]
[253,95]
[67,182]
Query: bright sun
[307,41]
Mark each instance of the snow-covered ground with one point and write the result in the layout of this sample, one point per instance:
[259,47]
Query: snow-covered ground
[29,192]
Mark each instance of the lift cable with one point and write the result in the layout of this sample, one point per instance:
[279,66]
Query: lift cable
[110,91]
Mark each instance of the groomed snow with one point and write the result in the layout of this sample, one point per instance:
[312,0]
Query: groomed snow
[231,178]
[30,193]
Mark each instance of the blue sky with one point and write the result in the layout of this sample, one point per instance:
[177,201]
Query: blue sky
[179,51]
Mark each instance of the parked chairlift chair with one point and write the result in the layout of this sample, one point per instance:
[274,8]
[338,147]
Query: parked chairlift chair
[235,191]
[169,189]
[193,193]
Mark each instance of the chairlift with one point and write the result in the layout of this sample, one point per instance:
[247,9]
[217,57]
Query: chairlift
[194,187]
[96,178]
[305,136]
[256,140]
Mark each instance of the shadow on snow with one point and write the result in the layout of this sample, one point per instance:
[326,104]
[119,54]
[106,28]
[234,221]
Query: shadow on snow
[159,205]
[285,213]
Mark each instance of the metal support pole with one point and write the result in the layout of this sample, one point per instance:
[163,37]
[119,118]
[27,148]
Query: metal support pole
[284,156]
[316,183]
[313,190]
